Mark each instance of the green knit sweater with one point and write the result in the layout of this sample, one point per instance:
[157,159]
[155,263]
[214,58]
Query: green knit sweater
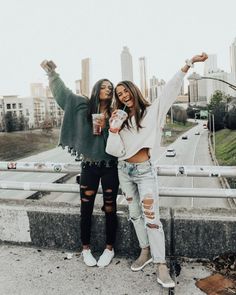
[76,130]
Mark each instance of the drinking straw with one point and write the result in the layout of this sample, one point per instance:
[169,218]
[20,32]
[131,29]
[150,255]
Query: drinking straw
[124,107]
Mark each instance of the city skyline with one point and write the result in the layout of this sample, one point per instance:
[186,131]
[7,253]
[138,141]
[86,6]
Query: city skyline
[68,32]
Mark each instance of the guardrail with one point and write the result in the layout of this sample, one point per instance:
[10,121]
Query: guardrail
[162,170]
[163,191]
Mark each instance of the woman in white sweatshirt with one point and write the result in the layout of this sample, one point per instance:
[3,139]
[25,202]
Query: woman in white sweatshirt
[137,144]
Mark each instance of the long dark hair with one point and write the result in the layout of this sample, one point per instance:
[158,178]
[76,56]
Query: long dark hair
[140,103]
[94,100]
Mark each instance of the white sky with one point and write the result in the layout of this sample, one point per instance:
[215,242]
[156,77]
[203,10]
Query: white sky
[165,31]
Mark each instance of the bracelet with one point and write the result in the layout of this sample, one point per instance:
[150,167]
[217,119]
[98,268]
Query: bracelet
[189,63]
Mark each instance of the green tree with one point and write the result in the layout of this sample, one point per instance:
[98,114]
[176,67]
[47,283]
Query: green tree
[231,118]
[217,107]
[9,122]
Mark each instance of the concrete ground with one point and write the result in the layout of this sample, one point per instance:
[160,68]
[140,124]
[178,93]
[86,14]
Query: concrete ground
[34,271]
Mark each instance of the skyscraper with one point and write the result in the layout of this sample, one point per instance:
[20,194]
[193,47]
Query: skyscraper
[85,83]
[126,64]
[143,76]
[210,65]
[233,59]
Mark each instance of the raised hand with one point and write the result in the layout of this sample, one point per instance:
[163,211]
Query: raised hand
[199,58]
[48,66]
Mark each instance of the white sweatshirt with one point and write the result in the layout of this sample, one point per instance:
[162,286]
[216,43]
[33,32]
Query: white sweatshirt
[128,142]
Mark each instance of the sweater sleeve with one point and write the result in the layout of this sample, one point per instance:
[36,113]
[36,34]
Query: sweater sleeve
[115,145]
[61,93]
[169,94]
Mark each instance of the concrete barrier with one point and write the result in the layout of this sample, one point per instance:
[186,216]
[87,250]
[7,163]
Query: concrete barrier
[193,233]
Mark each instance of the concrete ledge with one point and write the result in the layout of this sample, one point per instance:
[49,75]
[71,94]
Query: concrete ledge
[204,233]
[191,233]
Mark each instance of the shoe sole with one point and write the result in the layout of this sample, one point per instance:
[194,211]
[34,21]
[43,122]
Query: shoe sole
[170,285]
[141,267]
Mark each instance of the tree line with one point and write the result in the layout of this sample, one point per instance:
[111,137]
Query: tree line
[221,112]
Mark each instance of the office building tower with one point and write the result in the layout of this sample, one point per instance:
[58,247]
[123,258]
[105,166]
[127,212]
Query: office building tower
[233,59]
[78,87]
[37,90]
[210,65]
[85,83]
[143,76]
[156,87]
[126,64]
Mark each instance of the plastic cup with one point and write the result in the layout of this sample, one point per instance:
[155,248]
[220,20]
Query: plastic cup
[98,120]
[117,122]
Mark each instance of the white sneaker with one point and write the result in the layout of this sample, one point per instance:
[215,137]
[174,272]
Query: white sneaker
[88,258]
[106,258]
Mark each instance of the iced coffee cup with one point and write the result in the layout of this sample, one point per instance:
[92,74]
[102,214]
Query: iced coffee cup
[118,120]
[98,122]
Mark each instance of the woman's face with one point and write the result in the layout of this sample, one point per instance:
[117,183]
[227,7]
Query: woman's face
[105,90]
[125,96]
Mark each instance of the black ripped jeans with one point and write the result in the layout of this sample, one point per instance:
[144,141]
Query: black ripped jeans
[91,174]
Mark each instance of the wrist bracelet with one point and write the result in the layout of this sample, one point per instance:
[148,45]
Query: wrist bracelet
[189,63]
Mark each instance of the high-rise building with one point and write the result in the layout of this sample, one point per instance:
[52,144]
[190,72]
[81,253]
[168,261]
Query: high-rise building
[233,59]
[37,90]
[210,65]
[126,64]
[143,76]
[85,83]
[156,87]
[78,86]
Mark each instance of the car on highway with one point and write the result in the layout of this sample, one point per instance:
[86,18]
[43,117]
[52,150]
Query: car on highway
[170,152]
[197,133]
[185,137]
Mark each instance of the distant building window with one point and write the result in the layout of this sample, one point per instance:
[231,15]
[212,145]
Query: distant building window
[14,105]
[27,112]
[8,106]
[21,113]
[0,106]
[20,105]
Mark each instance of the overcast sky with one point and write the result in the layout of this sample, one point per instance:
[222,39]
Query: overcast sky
[166,32]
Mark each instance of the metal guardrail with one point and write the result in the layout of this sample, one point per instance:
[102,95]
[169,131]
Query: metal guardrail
[163,191]
[162,170]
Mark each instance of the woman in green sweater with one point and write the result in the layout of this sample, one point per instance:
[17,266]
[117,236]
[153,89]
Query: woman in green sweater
[78,135]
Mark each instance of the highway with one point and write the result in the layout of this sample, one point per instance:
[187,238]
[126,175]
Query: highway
[190,151]
[53,155]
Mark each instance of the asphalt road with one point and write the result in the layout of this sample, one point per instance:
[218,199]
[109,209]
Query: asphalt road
[190,151]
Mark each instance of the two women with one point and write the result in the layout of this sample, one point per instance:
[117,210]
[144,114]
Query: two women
[78,134]
[137,144]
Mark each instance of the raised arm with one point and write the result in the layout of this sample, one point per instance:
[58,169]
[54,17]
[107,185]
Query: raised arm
[172,88]
[60,92]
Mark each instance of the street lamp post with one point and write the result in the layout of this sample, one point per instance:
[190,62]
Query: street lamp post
[223,81]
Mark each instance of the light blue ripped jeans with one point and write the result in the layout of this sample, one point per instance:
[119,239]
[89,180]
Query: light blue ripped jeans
[138,182]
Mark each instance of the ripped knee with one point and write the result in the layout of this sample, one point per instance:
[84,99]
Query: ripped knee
[86,194]
[89,192]
[147,204]
[150,225]
[108,208]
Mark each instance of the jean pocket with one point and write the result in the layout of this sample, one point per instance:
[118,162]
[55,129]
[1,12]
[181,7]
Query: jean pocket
[144,169]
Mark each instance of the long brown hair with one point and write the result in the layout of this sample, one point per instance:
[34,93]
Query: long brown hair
[95,100]
[140,103]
